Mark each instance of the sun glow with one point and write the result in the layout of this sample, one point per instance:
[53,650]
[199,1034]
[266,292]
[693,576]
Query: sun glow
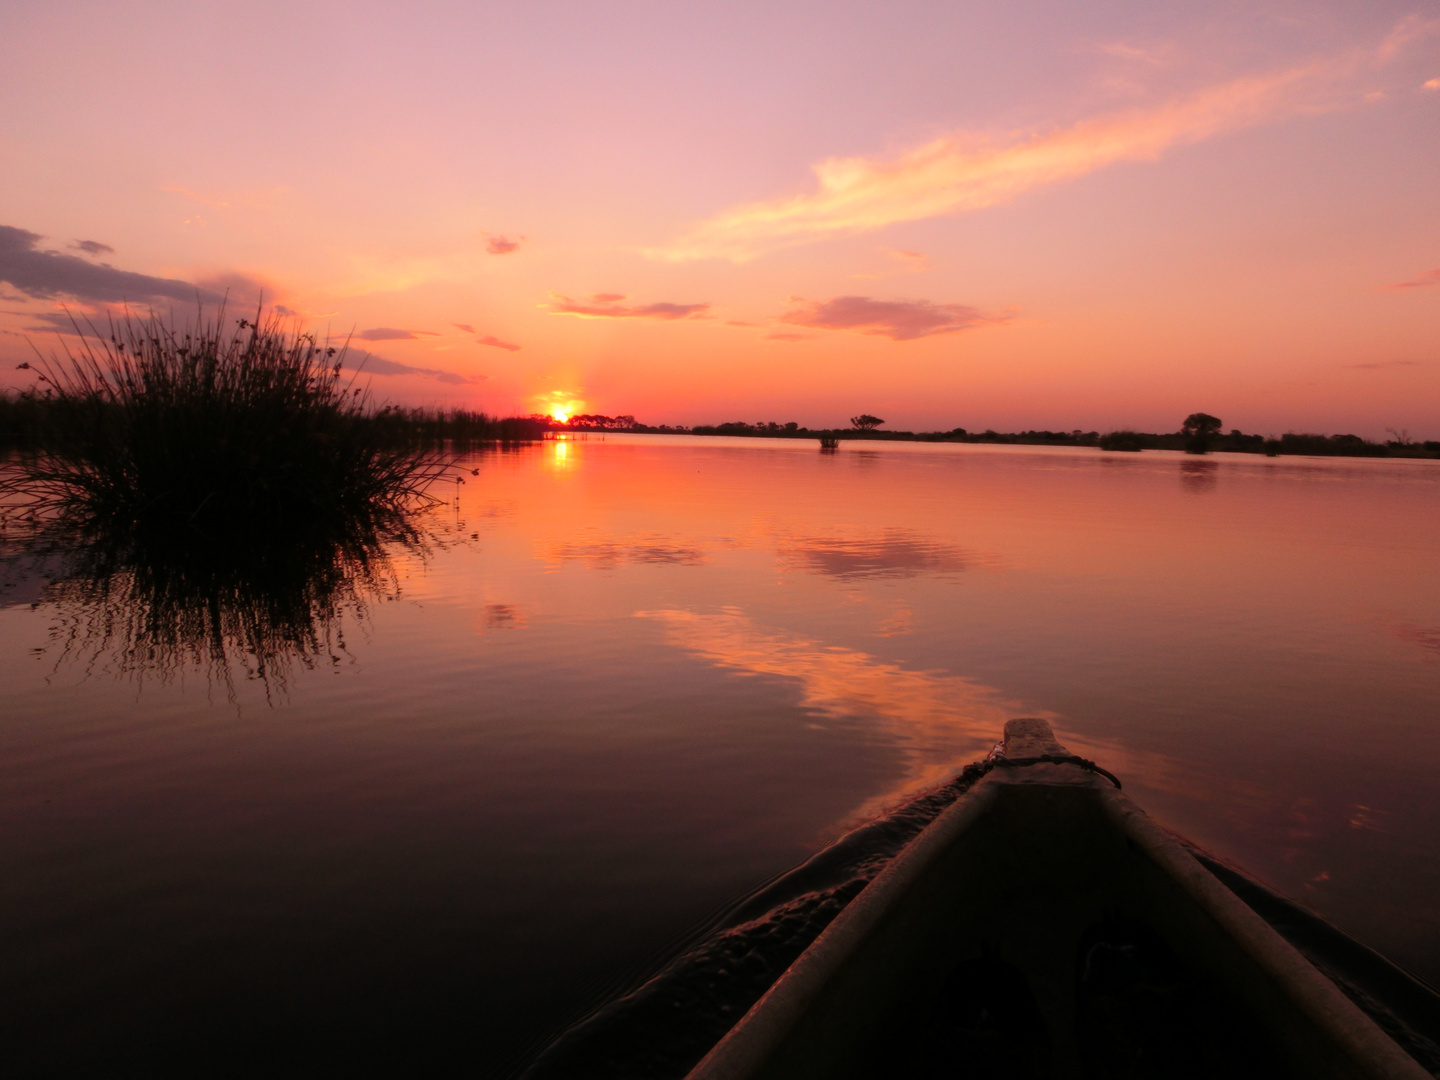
[559,405]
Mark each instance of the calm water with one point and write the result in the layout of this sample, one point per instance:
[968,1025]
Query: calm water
[634,678]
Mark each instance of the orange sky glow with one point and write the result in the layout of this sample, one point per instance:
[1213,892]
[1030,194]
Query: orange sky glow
[1039,215]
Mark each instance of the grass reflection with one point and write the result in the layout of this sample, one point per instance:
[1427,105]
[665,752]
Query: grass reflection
[144,603]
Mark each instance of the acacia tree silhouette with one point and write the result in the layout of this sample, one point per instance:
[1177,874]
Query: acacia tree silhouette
[1199,428]
[866,422]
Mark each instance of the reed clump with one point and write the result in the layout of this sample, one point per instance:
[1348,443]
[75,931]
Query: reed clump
[224,427]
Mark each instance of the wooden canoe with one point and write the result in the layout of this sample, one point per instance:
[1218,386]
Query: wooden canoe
[1043,926]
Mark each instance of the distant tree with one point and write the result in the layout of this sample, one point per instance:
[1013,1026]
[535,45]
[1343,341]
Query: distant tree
[866,422]
[1199,428]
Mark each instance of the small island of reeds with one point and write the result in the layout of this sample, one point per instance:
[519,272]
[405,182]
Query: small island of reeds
[219,490]
[221,428]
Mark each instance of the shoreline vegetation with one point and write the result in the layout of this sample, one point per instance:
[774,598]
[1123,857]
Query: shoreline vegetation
[208,394]
[29,421]
[1197,439]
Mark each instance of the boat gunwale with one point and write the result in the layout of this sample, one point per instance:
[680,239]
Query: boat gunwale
[1316,996]
[755,1035]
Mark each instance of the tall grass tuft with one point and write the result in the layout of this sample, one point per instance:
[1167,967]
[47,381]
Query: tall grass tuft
[225,428]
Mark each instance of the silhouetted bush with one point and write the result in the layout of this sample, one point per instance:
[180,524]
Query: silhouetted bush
[209,428]
[1121,440]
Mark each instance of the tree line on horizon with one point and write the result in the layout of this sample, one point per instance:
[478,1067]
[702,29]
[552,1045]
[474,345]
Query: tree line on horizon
[28,420]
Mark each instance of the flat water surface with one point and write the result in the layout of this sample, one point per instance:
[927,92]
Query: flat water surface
[635,677]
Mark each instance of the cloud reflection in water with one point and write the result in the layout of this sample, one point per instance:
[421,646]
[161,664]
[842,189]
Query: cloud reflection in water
[895,553]
[937,721]
[609,554]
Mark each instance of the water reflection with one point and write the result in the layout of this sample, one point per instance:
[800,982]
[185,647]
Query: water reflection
[609,554]
[503,617]
[157,604]
[935,719]
[1427,637]
[1199,477]
[895,553]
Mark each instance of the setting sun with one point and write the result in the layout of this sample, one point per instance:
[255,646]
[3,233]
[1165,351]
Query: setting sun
[559,405]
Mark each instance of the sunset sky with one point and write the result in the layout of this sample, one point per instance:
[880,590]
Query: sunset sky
[1037,215]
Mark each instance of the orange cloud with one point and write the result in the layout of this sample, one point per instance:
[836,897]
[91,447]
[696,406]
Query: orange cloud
[609,306]
[385,333]
[899,320]
[964,172]
[959,173]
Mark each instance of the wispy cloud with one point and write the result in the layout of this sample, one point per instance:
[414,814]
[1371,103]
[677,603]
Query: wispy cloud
[48,274]
[1422,281]
[1381,364]
[464,326]
[254,199]
[963,171]
[1154,55]
[496,343]
[57,322]
[503,245]
[609,306]
[385,333]
[373,364]
[899,320]
[91,247]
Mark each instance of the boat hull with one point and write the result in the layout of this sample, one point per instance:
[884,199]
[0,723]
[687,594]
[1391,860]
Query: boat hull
[1050,876]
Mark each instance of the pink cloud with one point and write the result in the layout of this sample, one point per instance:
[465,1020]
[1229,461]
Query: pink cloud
[502,245]
[899,320]
[1425,280]
[495,342]
[370,363]
[608,306]
[464,326]
[385,333]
